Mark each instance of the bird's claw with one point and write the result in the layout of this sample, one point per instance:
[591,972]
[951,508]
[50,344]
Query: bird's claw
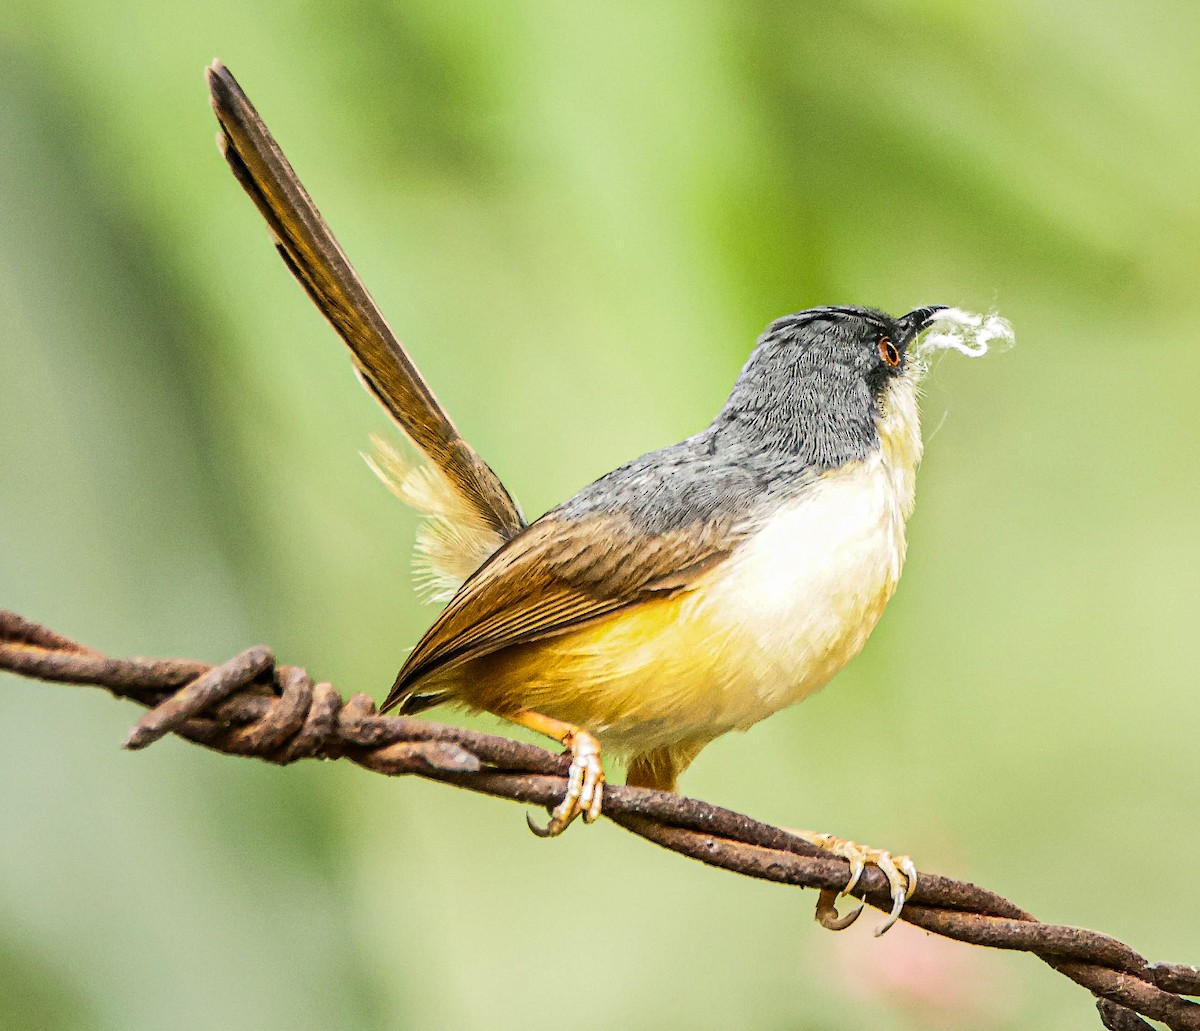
[827,914]
[900,872]
[585,787]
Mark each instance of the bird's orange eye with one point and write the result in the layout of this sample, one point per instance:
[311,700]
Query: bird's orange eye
[888,352]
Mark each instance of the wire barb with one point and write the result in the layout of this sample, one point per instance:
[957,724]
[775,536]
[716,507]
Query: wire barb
[250,706]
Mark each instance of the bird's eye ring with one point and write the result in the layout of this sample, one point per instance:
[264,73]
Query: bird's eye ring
[888,352]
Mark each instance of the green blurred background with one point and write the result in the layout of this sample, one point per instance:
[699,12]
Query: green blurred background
[578,221]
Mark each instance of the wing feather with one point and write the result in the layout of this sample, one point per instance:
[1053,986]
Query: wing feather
[556,576]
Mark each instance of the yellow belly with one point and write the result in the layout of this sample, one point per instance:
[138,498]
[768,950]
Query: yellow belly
[770,625]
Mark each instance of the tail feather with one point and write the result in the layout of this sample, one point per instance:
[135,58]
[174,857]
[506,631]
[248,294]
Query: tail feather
[454,540]
[471,513]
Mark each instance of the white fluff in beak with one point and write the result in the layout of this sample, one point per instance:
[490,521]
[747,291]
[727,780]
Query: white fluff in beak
[966,332]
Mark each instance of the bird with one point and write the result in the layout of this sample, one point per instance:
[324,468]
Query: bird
[691,592]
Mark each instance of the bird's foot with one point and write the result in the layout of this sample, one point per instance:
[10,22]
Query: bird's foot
[900,872]
[585,786]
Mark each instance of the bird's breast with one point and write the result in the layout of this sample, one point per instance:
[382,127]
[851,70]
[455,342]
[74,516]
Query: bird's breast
[800,596]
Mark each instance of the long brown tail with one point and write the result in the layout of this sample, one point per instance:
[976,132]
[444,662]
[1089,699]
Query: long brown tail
[318,262]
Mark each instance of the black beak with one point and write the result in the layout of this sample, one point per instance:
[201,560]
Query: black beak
[916,321]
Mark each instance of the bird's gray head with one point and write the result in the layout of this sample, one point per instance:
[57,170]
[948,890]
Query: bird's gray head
[817,381]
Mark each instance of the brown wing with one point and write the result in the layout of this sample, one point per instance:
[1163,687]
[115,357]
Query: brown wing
[318,262]
[558,575]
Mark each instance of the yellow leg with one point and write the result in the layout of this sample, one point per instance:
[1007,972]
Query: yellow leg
[585,780]
[900,872]
[661,767]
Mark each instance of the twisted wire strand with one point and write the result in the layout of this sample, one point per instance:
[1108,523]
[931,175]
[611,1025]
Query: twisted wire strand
[252,706]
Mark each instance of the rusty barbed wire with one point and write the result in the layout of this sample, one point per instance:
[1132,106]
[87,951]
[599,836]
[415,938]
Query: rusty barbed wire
[250,706]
